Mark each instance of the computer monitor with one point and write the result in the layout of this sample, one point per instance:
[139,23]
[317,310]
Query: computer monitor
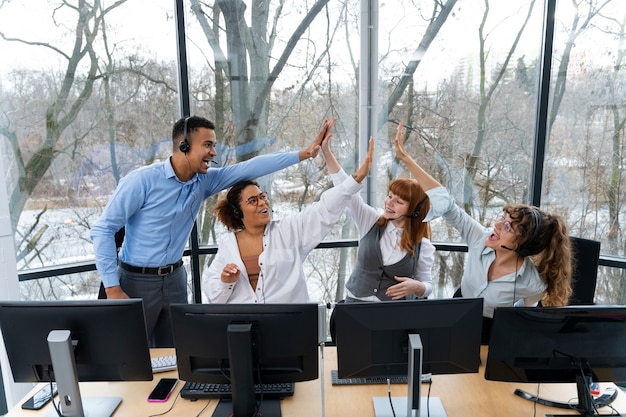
[243,345]
[581,344]
[71,341]
[373,339]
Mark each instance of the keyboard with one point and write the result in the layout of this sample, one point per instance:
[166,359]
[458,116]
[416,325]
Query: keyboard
[196,390]
[394,379]
[163,363]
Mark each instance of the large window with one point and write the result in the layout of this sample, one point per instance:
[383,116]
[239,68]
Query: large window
[92,89]
[88,95]
[584,170]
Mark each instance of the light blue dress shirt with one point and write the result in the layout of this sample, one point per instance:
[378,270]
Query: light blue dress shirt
[158,211]
[523,288]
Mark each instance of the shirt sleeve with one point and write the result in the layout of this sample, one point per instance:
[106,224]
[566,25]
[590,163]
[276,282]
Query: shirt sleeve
[216,291]
[339,177]
[423,270]
[535,287]
[363,215]
[219,179]
[126,200]
[442,204]
[313,223]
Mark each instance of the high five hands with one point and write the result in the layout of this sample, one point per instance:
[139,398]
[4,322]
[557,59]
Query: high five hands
[314,148]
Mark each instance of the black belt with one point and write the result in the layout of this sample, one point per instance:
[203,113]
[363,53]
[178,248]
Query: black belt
[162,270]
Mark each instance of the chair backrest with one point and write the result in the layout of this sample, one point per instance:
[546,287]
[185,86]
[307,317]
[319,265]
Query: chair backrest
[586,254]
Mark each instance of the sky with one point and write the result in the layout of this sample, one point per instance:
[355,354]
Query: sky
[140,22]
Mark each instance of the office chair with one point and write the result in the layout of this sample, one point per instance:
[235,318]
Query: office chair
[586,255]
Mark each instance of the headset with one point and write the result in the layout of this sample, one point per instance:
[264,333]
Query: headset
[416,212]
[184,145]
[237,214]
[525,248]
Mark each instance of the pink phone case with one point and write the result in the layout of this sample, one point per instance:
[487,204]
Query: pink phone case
[162,391]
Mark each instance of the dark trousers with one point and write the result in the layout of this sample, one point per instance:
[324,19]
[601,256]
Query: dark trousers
[157,292]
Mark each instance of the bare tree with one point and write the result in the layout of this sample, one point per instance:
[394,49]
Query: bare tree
[614,192]
[486,94]
[249,46]
[438,17]
[73,93]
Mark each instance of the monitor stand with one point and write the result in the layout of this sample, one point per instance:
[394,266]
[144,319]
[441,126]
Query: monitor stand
[431,406]
[269,408]
[64,368]
[414,405]
[240,357]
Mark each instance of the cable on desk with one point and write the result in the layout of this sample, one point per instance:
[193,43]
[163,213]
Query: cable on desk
[393,412]
[430,384]
[535,402]
[322,345]
[203,408]
[54,404]
[169,409]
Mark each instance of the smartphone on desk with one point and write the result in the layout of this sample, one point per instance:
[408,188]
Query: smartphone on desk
[162,390]
[41,397]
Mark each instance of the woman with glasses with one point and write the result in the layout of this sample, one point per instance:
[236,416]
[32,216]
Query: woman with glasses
[260,259]
[523,259]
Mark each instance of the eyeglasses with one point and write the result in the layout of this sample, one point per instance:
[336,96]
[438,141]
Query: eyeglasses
[254,200]
[506,225]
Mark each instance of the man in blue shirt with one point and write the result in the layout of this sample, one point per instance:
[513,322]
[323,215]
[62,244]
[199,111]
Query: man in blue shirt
[158,204]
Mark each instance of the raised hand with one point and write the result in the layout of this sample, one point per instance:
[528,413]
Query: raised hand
[364,169]
[401,153]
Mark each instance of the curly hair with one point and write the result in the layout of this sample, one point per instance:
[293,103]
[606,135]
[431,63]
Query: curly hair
[550,249]
[227,205]
[415,228]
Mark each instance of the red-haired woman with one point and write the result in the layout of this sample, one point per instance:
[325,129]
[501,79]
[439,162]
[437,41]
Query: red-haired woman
[395,254]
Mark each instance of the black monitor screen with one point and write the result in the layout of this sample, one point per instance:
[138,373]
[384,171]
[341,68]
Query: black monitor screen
[246,344]
[284,338]
[109,338]
[373,338]
[554,344]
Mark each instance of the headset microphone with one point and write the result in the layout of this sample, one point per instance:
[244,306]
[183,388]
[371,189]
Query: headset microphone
[214,162]
[507,248]
[416,212]
[184,145]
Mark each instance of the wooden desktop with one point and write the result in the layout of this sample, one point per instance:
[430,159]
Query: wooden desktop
[462,395]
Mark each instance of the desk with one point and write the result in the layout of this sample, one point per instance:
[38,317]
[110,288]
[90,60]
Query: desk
[306,401]
[462,395]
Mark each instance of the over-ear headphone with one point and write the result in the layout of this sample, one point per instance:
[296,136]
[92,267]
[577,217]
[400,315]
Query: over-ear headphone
[525,248]
[237,214]
[416,212]
[184,145]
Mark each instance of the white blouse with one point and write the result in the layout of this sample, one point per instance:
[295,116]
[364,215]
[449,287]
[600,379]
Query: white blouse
[286,244]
